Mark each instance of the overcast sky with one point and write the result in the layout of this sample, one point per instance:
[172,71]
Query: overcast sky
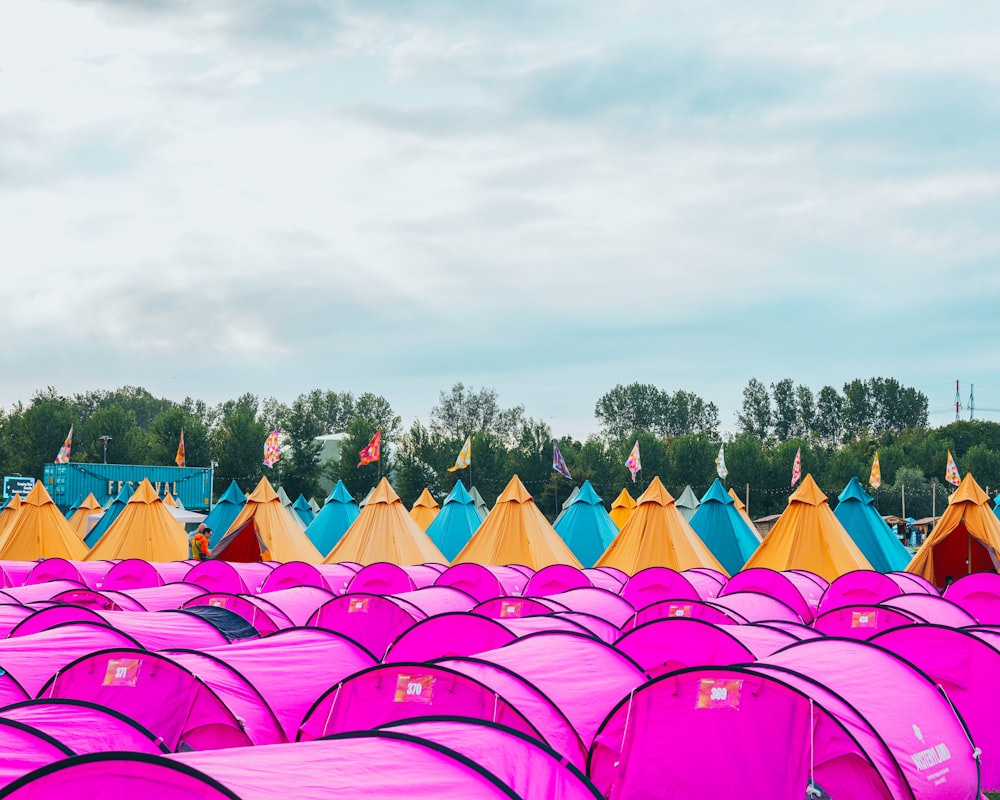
[212,197]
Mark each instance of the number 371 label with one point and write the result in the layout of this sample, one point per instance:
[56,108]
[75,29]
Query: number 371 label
[716,693]
[414,689]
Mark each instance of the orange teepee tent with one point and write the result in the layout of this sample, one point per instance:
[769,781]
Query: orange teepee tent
[809,536]
[425,508]
[8,513]
[144,529]
[384,531]
[622,508]
[966,538]
[516,532]
[80,519]
[656,534]
[39,530]
[264,530]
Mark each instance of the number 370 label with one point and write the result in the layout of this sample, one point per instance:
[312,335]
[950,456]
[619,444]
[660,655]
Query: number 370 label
[415,689]
[719,693]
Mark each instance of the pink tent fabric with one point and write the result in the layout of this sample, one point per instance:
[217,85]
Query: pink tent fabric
[525,626]
[777,742]
[84,727]
[447,635]
[256,614]
[581,675]
[482,582]
[794,589]
[15,572]
[555,578]
[599,602]
[218,576]
[45,619]
[598,627]
[161,598]
[134,683]
[392,692]
[667,645]
[433,600]
[931,608]
[161,629]
[337,577]
[53,569]
[965,667]
[979,595]
[424,574]
[858,588]
[603,579]
[923,735]
[33,659]
[296,573]
[860,621]
[11,616]
[670,609]
[131,573]
[757,606]
[328,770]
[26,748]
[911,583]
[532,770]
[655,584]
[298,603]
[372,621]
[292,669]
[40,591]
[512,606]
[97,600]
[381,578]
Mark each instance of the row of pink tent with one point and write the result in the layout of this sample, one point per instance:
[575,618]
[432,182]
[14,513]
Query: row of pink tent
[571,669]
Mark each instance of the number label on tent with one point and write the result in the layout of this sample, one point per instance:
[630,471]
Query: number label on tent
[679,611]
[716,693]
[218,602]
[510,608]
[358,605]
[864,619]
[122,672]
[415,689]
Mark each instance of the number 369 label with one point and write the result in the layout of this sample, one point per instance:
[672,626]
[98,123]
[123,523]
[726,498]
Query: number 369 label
[716,693]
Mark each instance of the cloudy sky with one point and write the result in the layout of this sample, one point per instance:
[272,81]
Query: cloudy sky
[212,197]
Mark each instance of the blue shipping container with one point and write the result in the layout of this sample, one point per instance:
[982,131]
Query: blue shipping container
[69,484]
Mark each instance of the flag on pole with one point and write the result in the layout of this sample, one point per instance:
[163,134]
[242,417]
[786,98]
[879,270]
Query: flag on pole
[62,457]
[180,459]
[372,451]
[875,479]
[720,463]
[797,467]
[559,463]
[271,454]
[633,464]
[464,456]
[951,472]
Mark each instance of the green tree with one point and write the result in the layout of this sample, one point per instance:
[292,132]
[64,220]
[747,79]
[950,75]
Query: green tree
[462,412]
[756,416]
[127,443]
[828,422]
[35,434]
[371,413]
[164,434]
[238,442]
[786,415]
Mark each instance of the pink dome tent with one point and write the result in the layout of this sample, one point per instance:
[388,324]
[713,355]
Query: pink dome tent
[797,591]
[733,733]
[84,727]
[483,582]
[381,578]
[298,603]
[53,569]
[858,588]
[599,602]
[261,616]
[912,583]
[408,767]
[757,606]
[447,635]
[598,627]
[531,768]
[931,608]
[979,595]
[40,591]
[433,600]
[97,600]
[555,578]
[861,622]
[297,573]
[236,577]
[682,609]
[513,607]
[606,578]
[11,616]
[132,573]
[655,584]
[965,667]
[25,749]
[372,621]
[159,598]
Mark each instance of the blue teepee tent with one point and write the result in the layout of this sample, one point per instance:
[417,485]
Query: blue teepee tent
[303,510]
[856,512]
[586,527]
[455,523]
[224,512]
[335,517]
[723,529]
[110,515]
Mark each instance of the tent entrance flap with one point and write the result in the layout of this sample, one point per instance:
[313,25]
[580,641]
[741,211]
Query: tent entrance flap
[960,554]
[242,545]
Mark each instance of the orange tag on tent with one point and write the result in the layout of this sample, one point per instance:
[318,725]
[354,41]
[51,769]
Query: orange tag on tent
[864,619]
[415,689]
[122,672]
[218,602]
[510,608]
[714,693]
[679,611]
[358,605]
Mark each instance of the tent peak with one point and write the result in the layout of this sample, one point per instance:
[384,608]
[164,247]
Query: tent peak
[808,492]
[657,493]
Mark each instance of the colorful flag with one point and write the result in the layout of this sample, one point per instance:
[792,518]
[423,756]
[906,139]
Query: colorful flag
[633,464]
[62,457]
[180,458]
[464,456]
[797,467]
[951,472]
[271,454]
[720,463]
[875,479]
[372,451]
[558,463]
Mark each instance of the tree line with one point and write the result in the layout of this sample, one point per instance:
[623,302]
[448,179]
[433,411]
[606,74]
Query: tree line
[838,432]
